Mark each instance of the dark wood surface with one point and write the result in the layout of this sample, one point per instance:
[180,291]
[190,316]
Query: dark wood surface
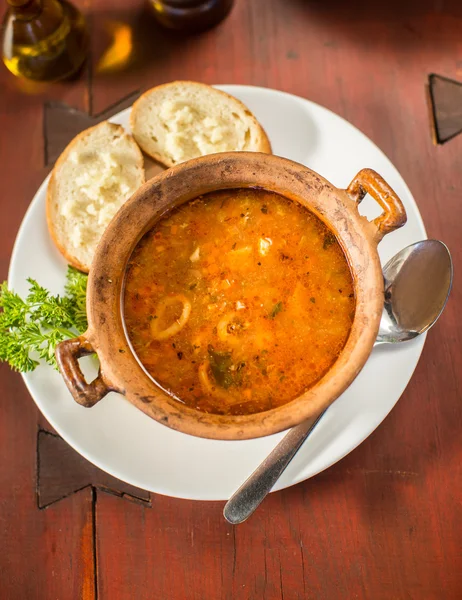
[383,524]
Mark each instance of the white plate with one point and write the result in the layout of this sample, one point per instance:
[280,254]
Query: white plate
[121,440]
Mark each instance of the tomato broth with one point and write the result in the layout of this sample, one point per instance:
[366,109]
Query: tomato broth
[239,301]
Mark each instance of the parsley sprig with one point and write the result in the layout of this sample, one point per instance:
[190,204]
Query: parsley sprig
[30,329]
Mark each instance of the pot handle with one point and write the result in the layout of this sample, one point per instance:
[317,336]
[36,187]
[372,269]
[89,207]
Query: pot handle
[394,215]
[67,355]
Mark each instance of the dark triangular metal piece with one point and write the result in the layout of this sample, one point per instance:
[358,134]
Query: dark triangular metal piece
[62,472]
[445,103]
[61,123]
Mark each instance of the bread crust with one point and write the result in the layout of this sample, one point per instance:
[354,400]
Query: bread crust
[51,205]
[265,143]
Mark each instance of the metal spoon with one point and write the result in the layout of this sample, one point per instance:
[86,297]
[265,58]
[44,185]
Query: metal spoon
[417,284]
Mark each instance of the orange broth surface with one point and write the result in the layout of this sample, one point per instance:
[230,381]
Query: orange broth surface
[238,301]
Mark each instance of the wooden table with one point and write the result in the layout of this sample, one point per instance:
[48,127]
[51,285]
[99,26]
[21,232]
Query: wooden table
[383,524]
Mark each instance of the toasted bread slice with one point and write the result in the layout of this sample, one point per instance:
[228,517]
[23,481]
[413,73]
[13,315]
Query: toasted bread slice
[97,172]
[182,120]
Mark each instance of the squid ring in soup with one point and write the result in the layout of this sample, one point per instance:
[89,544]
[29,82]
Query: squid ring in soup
[178,324]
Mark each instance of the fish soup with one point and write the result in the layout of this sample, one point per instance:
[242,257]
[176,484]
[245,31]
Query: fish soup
[239,301]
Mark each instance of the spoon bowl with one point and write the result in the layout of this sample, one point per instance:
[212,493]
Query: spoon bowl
[418,281]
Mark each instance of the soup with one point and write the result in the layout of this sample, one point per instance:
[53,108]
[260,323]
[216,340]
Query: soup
[238,301]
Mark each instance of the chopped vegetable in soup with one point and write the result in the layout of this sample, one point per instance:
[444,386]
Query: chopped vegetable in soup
[239,301]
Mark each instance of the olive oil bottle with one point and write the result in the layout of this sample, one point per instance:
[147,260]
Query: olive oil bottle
[45,40]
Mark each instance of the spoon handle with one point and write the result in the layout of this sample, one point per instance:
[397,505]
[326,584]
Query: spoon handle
[254,490]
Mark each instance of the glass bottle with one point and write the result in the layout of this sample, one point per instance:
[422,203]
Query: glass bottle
[45,40]
[190,15]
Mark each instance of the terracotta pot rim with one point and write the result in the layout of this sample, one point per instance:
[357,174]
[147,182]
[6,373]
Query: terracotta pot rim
[121,369]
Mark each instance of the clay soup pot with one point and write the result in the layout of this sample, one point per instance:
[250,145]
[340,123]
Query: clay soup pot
[120,369]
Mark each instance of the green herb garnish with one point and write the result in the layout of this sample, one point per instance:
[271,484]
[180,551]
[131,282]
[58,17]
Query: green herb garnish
[30,329]
[329,239]
[261,362]
[276,309]
[220,365]
[223,370]
[76,291]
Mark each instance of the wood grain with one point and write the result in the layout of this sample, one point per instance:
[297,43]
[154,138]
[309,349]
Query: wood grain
[386,522]
[45,553]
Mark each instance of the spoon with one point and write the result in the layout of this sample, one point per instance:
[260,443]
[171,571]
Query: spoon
[417,283]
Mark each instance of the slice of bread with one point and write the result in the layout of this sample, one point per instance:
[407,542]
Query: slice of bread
[183,120]
[97,172]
